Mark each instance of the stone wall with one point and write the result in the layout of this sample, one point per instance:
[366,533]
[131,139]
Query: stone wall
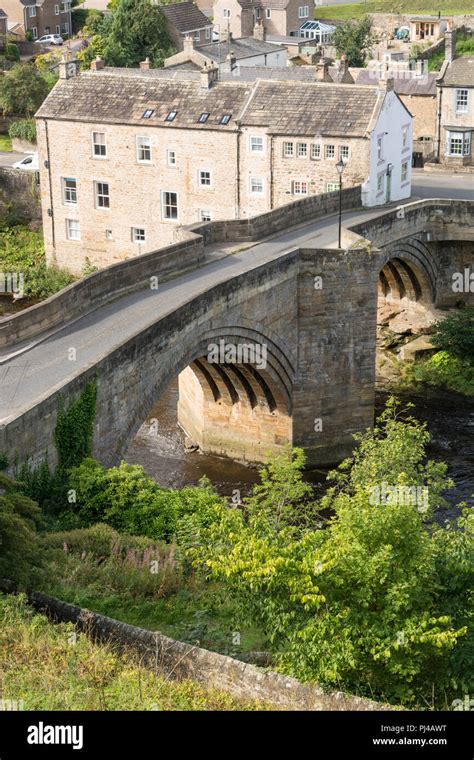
[178,660]
[19,193]
[103,286]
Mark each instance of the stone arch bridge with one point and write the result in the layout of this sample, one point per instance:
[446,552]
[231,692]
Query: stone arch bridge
[305,309]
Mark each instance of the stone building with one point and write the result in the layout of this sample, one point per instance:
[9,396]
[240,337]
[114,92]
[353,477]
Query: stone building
[455,86]
[186,20]
[155,150]
[39,16]
[3,28]
[281,17]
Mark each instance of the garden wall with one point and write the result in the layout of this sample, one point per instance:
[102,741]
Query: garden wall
[19,193]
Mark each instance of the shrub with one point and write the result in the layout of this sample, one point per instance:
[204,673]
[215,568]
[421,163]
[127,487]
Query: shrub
[23,130]
[442,371]
[19,519]
[12,52]
[455,334]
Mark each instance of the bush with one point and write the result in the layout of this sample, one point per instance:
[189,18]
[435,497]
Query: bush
[23,130]
[19,519]
[128,500]
[441,371]
[12,52]
[455,334]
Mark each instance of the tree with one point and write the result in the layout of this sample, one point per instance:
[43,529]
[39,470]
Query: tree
[355,40]
[376,601]
[22,90]
[19,519]
[138,30]
[455,334]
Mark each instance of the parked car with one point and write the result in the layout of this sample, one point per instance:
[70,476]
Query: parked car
[30,163]
[50,39]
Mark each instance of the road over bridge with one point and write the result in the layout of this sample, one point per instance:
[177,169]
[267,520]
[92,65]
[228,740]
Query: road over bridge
[307,307]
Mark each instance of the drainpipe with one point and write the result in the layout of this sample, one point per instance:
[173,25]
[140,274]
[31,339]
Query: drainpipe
[50,182]
[238,170]
[271,170]
[438,136]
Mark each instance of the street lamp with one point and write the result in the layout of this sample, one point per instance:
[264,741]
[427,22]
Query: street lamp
[340,166]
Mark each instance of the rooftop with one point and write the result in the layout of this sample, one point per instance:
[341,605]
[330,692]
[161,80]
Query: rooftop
[244,47]
[459,72]
[124,96]
[186,17]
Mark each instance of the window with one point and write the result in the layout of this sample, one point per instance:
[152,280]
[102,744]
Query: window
[458,144]
[108,235]
[315,151]
[205,178]
[331,187]
[99,147]
[303,11]
[300,187]
[58,29]
[256,144]
[203,118]
[288,149]
[226,12]
[169,205]
[197,37]
[256,186]
[379,149]
[301,150]
[205,216]
[69,190]
[171,157]
[102,197]
[257,13]
[404,174]
[330,151]
[56,10]
[171,116]
[208,33]
[344,152]
[143,150]
[34,32]
[461,101]
[405,137]
[148,113]
[225,118]
[268,13]
[32,11]
[380,182]
[138,235]
[65,28]
[73,229]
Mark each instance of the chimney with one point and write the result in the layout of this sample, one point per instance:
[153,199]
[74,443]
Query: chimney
[322,71]
[145,65]
[386,85]
[259,31]
[231,59]
[450,45]
[188,44]
[209,76]
[68,67]
[98,64]
[345,76]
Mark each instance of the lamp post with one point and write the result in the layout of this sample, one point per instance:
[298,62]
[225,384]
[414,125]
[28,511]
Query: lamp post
[340,166]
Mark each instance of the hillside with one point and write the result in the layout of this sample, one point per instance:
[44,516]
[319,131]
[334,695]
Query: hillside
[358,10]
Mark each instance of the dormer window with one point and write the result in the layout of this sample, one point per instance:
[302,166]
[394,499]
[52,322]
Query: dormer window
[203,118]
[225,118]
[171,116]
[148,113]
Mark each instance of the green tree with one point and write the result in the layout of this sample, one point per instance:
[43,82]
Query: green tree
[138,30]
[22,90]
[19,519]
[376,601]
[355,40]
[455,334]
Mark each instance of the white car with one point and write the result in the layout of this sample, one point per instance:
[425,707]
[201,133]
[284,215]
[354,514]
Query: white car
[29,163]
[50,39]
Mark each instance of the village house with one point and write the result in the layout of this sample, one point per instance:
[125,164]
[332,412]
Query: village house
[156,150]
[427,28]
[186,20]
[278,17]
[455,86]
[250,51]
[39,17]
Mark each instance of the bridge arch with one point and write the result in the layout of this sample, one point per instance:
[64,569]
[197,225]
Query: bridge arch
[409,271]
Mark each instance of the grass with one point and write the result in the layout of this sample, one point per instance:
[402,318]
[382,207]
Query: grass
[464,47]
[50,667]
[358,10]
[5,143]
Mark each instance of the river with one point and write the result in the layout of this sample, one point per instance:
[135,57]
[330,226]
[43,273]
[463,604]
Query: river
[160,448]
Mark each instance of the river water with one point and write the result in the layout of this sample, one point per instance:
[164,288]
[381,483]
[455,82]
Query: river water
[160,448]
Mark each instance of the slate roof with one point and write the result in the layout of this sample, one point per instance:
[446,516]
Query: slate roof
[121,96]
[403,85]
[186,17]
[245,47]
[312,108]
[2,13]
[459,72]
[117,97]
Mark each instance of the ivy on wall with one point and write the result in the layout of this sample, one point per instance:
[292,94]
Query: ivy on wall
[74,431]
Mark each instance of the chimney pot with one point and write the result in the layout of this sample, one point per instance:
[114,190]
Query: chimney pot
[145,65]
[98,64]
